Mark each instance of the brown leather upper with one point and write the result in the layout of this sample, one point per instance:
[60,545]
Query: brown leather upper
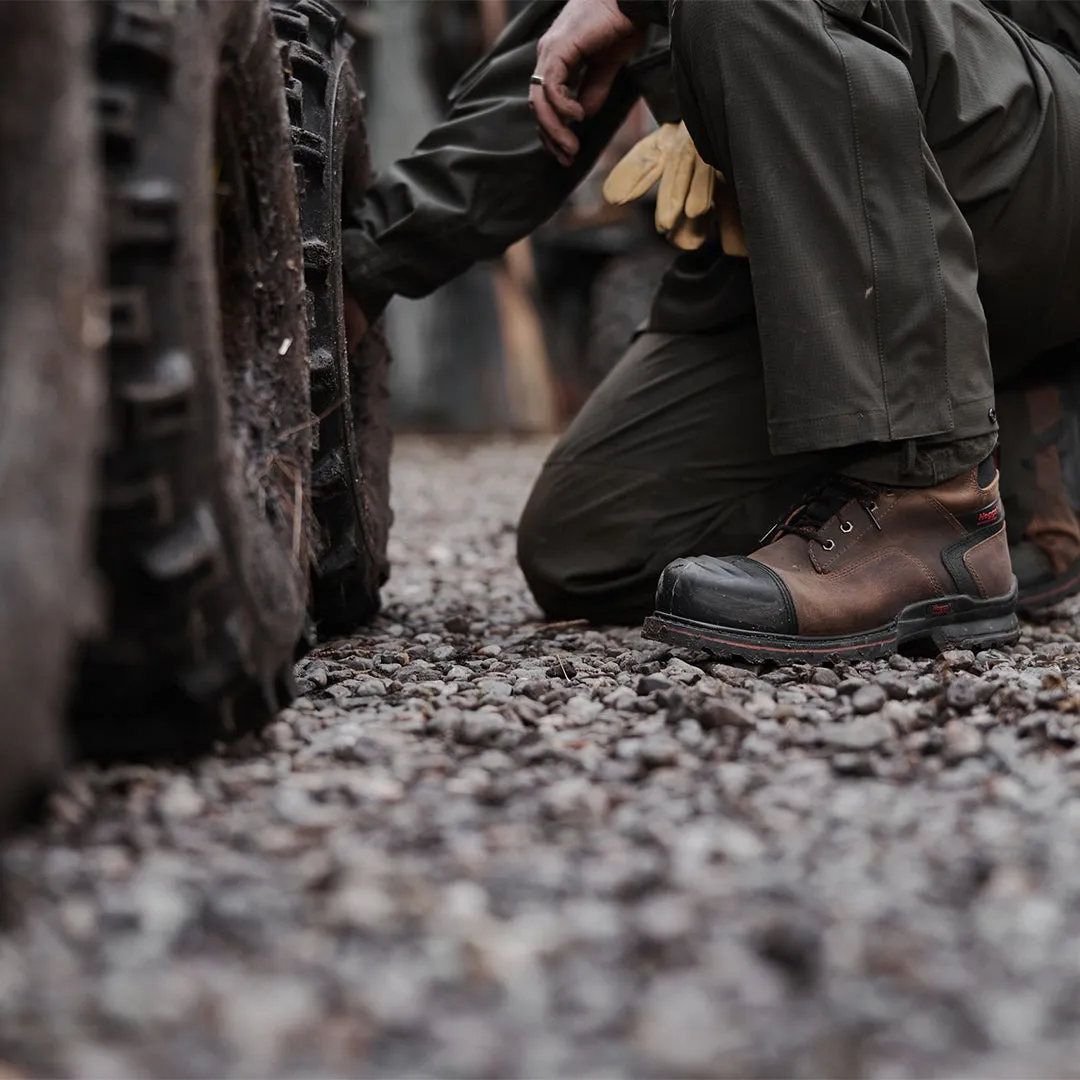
[856,576]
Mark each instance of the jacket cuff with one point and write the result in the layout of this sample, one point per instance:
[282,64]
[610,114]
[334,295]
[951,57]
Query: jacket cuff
[644,12]
[363,264]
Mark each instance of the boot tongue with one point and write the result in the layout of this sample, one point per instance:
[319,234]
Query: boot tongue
[826,501]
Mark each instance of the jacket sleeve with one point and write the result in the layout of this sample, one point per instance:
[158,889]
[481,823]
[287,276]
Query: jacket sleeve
[482,179]
[1056,22]
[645,11]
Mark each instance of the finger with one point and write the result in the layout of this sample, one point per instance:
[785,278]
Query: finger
[674,187]
[700,198]
[691,233]
[555,72]
[597,87]
[562,157]
[564,103]
[552,74]
[557,137]
[635,174]
[623,189]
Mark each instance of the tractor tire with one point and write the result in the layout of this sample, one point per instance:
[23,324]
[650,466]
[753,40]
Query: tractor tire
[51,330]
[203,531]
[349,394]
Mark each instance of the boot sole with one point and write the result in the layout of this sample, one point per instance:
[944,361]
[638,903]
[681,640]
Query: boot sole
[968,623]
[1047,594]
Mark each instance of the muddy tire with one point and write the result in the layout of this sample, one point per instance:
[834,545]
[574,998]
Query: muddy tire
[349,394]
[50,380]
[203,530]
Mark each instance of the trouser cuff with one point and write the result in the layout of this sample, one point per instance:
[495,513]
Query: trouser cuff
[932,460]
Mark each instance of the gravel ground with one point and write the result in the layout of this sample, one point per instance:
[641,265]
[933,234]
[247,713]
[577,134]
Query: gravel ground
[481,846]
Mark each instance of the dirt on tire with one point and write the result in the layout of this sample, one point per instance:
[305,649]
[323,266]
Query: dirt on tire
[349,393]
[50,379]
[203,524]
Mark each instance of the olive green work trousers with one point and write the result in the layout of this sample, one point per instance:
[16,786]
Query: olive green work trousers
[670,456]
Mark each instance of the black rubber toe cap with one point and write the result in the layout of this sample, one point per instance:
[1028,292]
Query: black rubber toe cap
[739,593]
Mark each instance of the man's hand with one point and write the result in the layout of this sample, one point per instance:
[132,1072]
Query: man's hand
[587,45]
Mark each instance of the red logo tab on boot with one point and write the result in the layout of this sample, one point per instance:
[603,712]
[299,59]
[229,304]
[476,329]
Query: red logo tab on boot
[987,517]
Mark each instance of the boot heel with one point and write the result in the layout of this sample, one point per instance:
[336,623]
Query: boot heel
[977,633]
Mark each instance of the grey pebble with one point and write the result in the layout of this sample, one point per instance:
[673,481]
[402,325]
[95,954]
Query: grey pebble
[180,801]
[651,684]
[682,672]
[864,733]
[659,750]
[480,727]
[958,659]
[962,741]
[868,699]
[719,714]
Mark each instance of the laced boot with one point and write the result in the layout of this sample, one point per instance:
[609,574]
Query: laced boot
[855,572]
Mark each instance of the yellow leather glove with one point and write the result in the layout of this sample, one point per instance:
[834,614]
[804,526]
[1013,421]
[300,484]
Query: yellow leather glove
[687,191]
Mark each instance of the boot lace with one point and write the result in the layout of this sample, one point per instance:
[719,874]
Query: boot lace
[821,505]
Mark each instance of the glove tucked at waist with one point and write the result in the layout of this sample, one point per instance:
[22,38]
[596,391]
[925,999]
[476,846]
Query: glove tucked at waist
[688,194]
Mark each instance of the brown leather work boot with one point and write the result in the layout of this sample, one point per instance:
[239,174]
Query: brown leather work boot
[1040,486]
[855,572]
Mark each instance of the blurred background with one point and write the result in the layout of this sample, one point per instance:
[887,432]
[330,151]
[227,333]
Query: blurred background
[514,345]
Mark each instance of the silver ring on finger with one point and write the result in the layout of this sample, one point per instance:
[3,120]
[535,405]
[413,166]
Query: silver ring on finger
[536,80]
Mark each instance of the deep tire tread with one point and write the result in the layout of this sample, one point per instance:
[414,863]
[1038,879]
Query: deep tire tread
[350,506]
[172,676]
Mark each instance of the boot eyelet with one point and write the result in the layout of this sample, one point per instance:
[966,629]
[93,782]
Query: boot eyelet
[846,526]
[828,545]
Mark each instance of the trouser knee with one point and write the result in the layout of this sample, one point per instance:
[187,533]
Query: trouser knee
[576,565]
